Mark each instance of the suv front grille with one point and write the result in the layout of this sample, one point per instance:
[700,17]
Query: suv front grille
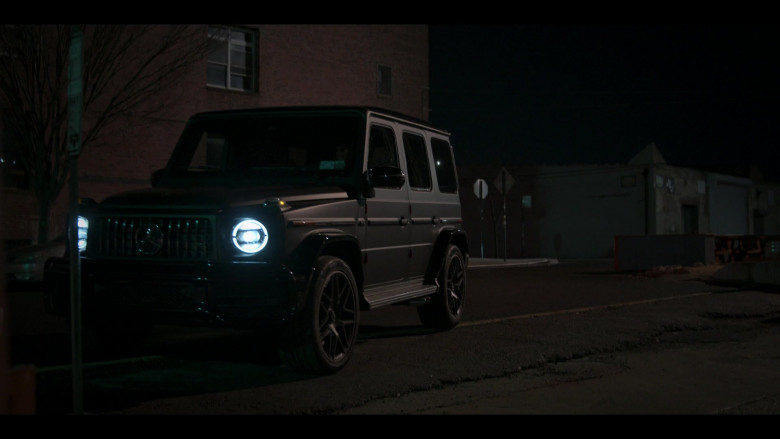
[157,237]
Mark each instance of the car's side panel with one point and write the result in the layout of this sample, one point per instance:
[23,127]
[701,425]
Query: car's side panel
[386,243]
[424,201]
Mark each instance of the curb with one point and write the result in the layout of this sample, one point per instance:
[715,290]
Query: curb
[497,262]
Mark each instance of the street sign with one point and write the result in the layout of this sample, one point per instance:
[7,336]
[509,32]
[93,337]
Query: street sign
[480,188]
[504,181]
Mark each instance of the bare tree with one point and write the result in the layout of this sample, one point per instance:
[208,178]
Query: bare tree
[123,67]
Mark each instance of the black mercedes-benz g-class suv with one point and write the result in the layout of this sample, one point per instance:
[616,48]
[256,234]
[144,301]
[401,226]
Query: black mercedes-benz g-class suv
[292,219]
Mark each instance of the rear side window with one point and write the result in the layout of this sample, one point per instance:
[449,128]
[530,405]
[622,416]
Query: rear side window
[417,162]
[445,166]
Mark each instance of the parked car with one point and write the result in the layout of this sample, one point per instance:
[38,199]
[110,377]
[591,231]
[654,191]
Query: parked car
[290,219]
[24,266]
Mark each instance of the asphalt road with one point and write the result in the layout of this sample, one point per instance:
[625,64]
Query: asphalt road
[575,338]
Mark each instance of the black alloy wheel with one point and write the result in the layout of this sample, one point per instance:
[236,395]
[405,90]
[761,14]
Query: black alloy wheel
[445,309]
[326,334]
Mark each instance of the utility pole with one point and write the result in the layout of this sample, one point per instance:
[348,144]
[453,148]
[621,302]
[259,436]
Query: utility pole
[75,108]
[504,182]
[481,191]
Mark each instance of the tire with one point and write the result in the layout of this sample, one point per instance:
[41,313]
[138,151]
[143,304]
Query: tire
[323,337]
[445,309]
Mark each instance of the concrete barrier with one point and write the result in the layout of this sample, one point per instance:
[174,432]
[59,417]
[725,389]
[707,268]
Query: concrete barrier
[749,274]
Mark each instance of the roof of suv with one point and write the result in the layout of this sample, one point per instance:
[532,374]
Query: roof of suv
[364,109]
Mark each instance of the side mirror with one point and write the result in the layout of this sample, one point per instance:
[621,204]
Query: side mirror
[156,176]
[386,177]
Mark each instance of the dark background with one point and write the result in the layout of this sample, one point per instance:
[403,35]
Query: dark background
[706,95]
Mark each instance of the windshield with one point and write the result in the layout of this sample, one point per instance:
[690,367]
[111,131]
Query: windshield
[278,148]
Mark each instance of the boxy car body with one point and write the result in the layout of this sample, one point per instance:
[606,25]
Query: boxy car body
[288,219]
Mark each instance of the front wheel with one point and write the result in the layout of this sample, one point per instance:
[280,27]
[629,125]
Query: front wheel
[445,309]
[322,339]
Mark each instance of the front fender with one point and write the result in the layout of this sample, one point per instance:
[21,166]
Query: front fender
[302,260]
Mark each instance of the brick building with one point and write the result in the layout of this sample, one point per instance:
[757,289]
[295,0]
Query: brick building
[255,66]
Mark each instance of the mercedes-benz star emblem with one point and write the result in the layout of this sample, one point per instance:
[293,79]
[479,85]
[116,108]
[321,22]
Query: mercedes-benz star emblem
[149,239]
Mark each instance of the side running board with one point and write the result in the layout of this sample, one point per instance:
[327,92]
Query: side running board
[395,293]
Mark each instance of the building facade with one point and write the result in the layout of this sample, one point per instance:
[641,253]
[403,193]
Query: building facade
[577,211]
[248,66]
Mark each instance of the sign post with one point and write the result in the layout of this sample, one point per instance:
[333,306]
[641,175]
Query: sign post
[481,191]
[504,182]
[75,107]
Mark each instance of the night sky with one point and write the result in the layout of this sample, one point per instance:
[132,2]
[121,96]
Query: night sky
[707,95]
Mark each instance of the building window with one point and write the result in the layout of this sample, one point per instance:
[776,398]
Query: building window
[232,58]
[384,81]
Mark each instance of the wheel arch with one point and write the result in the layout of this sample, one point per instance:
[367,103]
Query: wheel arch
[343,246]
[346,248]
[456,237]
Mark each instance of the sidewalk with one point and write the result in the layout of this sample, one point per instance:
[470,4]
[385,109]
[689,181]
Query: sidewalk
[746,274]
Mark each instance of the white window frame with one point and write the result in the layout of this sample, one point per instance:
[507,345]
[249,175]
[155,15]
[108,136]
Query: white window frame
[223,35]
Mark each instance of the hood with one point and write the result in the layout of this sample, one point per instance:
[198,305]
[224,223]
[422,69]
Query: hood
[221,197]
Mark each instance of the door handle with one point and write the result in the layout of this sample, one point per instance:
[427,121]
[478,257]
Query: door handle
[403,221]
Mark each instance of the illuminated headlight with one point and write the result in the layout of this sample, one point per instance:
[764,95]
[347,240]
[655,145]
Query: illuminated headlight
[250,236]
[82,225]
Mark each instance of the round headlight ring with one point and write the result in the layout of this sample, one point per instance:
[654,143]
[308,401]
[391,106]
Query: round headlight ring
[250,236]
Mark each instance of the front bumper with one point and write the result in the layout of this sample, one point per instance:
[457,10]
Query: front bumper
[247,294]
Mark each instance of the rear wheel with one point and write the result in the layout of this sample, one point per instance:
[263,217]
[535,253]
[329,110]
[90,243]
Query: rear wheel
[322,339]
[445,309]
